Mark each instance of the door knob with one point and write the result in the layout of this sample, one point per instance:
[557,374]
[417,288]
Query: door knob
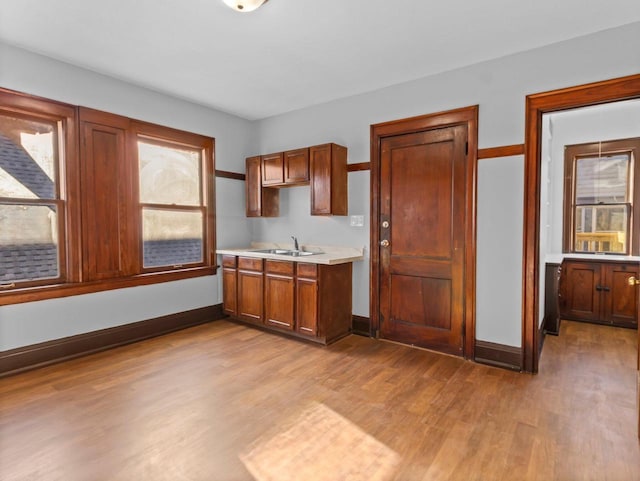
[384,243]
[632,281]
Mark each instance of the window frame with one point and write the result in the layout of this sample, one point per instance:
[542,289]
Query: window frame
[159,135]
[64,118]
[69,185]
[572,154]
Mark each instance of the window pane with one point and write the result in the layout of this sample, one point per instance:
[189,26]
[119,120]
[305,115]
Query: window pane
[27,158]
[602,228]
[28,242]
[169,175]
[171,237]
[602,179]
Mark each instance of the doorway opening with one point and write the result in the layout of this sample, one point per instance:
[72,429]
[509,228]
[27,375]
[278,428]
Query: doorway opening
[625,88]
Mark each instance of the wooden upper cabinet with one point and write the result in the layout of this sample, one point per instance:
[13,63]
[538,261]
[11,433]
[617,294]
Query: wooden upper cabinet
[328,174]
[108,239]
[261,202]
[296,166]
[324,167]
[273,169]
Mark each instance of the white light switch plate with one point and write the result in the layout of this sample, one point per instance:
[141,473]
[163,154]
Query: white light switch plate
[357,221]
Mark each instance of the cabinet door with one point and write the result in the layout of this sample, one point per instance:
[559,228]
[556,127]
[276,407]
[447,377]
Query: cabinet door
[279,298]
[296,166]
[307,306]
[230,291]
[261,202]
[272,169]
[581,291]
[250,286]
[328,179]
[620,300]
[253,187]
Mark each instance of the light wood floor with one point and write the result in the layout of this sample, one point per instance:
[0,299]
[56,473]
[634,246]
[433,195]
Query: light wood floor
[190,405]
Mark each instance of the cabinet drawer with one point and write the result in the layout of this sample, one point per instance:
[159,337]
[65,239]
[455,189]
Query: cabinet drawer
[308,271]
[279,267]
[250,264]
[229,261]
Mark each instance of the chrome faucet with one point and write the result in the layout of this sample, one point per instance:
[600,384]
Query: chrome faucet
[295,243]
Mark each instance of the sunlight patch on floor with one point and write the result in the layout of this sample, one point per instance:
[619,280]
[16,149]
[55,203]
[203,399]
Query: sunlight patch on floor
[318,445]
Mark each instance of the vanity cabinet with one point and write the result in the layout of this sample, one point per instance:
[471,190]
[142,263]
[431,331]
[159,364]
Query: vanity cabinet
[598,291]
[310,301]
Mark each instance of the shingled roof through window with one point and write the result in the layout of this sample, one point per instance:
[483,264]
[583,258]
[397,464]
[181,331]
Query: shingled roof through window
[17,162]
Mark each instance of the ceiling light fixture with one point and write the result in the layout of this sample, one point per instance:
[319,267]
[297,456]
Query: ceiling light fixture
[244,5]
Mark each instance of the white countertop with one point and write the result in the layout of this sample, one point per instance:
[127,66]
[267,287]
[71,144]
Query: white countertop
[325,254]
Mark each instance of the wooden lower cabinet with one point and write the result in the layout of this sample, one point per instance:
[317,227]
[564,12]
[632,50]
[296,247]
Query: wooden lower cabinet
[598,291]
[551,319]
[250,286]
[229,285]
[304,300]
[279,294]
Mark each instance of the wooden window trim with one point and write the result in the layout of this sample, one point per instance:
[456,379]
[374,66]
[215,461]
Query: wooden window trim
[65,116]
[170,137]
[609,147]
[74,283]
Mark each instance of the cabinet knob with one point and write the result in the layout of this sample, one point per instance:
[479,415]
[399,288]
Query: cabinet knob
[632,281]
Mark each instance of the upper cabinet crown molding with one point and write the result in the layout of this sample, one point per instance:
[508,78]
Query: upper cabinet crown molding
[323,167]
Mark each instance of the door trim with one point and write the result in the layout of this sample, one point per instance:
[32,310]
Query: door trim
[464,116]
[623,88]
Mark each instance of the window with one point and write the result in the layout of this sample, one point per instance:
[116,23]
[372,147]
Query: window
[133,205]
[33,208]
[601,189]
[173,203]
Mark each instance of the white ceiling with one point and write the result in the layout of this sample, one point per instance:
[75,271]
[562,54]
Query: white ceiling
[290,54]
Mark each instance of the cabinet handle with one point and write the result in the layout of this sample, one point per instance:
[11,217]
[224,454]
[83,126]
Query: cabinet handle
[598,287]
[602,288]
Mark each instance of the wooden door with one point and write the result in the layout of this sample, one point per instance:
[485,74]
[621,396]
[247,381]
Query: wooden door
[423,219]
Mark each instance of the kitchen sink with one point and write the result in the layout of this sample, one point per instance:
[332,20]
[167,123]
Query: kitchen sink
[286,252]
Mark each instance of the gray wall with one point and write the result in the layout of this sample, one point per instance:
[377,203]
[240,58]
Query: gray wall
[498,86]
[24,324]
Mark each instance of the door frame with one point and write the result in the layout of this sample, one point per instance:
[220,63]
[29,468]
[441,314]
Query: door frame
[463,116]
[614,90]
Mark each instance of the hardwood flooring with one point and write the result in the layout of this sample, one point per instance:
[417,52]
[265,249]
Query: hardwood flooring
[204,403]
